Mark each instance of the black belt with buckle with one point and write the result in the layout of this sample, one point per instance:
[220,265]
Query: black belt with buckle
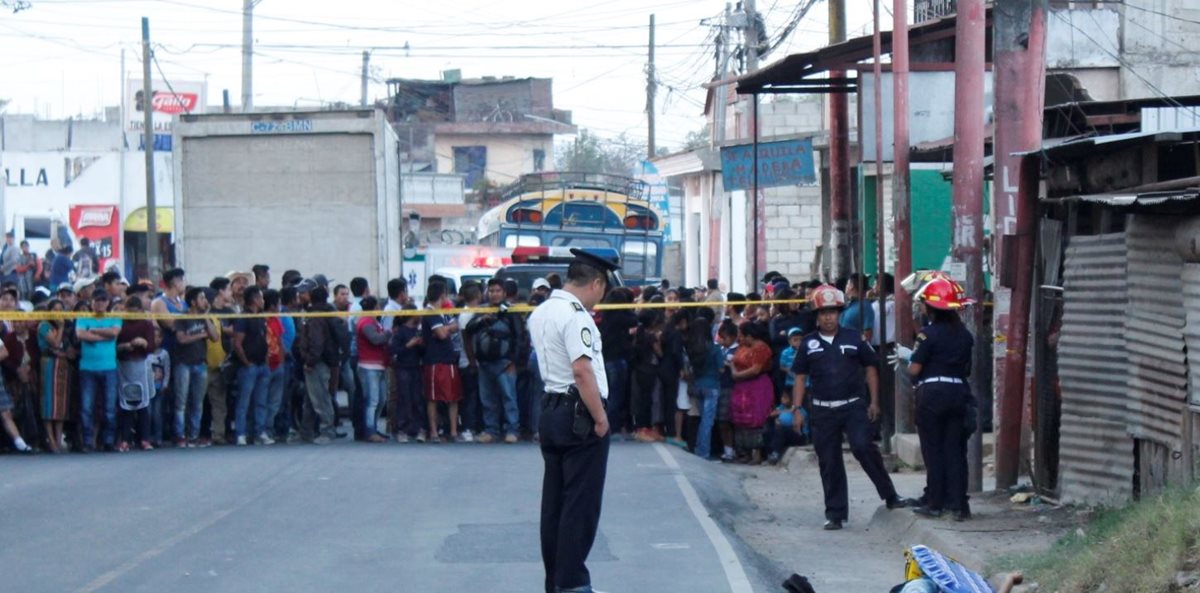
[553,400]
[571,397]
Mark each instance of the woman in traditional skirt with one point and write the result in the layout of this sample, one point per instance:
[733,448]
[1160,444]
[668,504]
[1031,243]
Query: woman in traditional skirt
[753,391]
[56,375]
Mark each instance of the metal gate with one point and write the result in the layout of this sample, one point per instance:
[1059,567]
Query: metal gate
[1154,332]
[1096,453]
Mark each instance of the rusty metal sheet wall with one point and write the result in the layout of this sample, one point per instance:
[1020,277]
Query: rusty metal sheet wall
[1095,451]
[1154,331]
[1191,332]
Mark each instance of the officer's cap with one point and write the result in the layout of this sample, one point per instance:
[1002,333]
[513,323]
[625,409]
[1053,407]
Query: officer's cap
[306,286]
[593,260]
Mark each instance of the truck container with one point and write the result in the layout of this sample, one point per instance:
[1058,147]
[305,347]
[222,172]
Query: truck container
[313,191]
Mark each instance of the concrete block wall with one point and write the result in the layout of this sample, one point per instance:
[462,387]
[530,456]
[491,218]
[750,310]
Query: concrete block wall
[793,228]
[791,115]
[1161,53]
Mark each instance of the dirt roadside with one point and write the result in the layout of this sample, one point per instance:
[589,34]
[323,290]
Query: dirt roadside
[785,511]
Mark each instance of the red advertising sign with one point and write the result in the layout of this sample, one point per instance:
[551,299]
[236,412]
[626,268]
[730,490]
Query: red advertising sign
[174,103]
[101,225]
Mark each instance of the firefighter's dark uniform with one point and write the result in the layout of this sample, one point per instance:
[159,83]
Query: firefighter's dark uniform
[943,396]
[838,391]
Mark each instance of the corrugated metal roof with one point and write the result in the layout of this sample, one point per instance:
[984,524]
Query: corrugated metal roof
[1154,331]
[1191,331]
[1058,150]
[1142,199]
[1095,451]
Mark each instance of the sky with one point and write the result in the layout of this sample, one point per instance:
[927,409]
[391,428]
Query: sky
[61,58]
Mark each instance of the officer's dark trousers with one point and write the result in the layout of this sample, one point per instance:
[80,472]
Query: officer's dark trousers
[828,426]
[571,494]
[940,424]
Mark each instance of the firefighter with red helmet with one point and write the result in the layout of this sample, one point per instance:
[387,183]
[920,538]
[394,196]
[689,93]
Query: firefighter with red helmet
[837,368]
[939,364]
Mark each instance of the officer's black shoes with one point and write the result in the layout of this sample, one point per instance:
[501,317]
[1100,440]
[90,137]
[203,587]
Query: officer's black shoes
[797,584]
[928,512]
[960,516]
[833,525]
[901,503]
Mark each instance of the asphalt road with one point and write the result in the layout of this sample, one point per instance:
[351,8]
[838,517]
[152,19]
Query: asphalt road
[355,517]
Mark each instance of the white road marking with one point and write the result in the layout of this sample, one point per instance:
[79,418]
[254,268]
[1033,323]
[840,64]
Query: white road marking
[735,573]
[671,546]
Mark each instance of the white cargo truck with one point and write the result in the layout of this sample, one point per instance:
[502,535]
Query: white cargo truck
[312,191]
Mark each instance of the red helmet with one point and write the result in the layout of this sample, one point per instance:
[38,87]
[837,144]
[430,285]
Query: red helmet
[945,294]
[827,297]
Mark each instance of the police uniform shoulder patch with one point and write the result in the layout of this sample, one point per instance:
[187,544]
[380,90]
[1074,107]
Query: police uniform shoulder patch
[577,307]
[585,335]
[813,344]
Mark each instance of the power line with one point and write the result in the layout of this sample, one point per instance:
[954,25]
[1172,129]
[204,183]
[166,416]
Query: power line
[486,26]
[1127,66]
[1149,30]
[1160,13]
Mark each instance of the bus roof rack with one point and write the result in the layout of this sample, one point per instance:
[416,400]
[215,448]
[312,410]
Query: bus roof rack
[549,181]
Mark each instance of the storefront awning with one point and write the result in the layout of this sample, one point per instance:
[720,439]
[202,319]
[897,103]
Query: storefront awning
[164,220]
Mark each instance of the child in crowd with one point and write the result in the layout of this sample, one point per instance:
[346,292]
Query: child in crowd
[160,369]
[406,347]
[787,357]
[727,339]
[780,433]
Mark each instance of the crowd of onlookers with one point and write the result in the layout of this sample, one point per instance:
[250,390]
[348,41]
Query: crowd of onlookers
[706,370]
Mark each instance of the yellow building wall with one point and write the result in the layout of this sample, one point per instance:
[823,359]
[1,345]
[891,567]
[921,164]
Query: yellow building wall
[508,156]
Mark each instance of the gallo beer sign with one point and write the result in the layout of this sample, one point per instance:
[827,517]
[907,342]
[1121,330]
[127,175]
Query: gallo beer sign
[100,224]
[165,102]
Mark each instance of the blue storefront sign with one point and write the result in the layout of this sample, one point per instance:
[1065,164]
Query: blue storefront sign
[162,142]
[660,195]
[789,162]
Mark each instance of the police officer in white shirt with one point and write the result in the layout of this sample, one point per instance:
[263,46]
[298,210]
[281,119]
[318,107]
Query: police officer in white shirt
[574,425]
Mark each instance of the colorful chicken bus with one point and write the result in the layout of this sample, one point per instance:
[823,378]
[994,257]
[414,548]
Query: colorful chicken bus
[580,210]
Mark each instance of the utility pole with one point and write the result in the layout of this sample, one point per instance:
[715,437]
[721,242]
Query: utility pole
[901,206]
[121,195]
[968,191]
[1019,52]
[839,153]
[886,387]
[757,225]
[248,55]
[719,114]
[751,35]
[651,90]
[153,265]
[365,74]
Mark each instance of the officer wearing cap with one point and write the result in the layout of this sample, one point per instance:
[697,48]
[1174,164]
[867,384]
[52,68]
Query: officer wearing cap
[574,426]
[838,368]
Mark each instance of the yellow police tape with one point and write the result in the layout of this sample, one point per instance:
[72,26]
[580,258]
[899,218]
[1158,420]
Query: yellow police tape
[65,315]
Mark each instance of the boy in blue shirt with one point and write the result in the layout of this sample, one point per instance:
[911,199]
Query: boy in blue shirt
[787,356]
[779,434]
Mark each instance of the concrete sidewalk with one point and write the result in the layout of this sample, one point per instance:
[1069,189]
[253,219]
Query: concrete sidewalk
[868,555]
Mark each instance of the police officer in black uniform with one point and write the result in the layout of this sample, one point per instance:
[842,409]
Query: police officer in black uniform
[574,425]
[836,359]
[940,364]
